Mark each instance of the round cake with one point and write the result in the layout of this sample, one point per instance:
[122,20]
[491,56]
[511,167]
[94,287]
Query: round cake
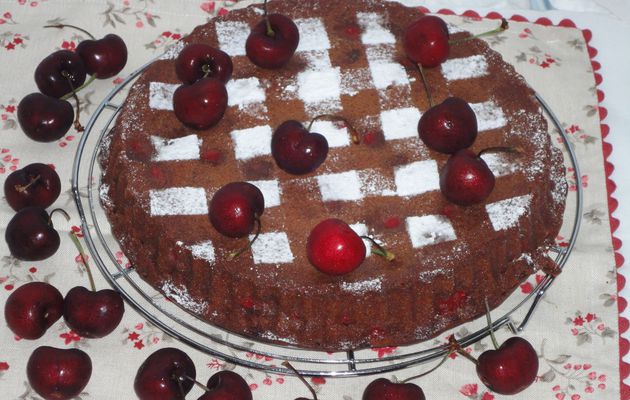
[159,177]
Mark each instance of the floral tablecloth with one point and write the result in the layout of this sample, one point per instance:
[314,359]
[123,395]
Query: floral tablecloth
[575,331]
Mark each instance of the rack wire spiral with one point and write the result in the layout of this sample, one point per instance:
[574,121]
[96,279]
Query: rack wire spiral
[243,351]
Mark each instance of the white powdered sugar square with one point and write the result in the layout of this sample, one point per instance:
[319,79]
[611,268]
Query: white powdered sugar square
[387,74]
[271,192]
[252,142]
[242,92]
[498,164]
[173,51]
[417,178]
[465,68]
[400,123]
[317,60]
[429,229]
[362,230]
[232,37]
[336,137]
[184,148]
[489,115]
[178,201]
[161,95]
[381,53]
[372,285]
[505,214]
[313,35]
[373,30]
[271,248]
[179,294]
[203,251]
[318,86]
[344,186]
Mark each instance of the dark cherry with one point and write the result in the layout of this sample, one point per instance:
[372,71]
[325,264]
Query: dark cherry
[511,368]
[426,41]
[58,374]
[31,236]
[334,248]
[202,104]
[449,126]
[44,118]
[382,388]
[93,314]
[227,385]
[164,375]
[33,308]
[235,207]
[272,50]
[198,60]
[34,185]
[466,179]
[296,150]
[104,57]
[55,72]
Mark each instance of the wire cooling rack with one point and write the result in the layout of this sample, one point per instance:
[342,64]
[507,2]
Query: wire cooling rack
[262,355]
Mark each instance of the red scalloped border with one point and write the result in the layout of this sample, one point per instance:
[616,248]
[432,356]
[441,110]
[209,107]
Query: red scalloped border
[624,344]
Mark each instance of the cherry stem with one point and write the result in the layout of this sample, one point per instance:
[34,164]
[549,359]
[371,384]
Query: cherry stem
[61,26]
[354,135]
[504,25]
[62,211]
[77,123]
[301,378]
[206,70]
[270,31]
[66,96]
[489,319]
[426,84]
[240,251]
[180,378]
[500,149]
[84,259]
[23,188]
[380,250]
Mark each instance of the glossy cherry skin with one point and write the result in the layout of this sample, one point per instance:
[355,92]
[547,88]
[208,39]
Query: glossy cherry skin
[44,118]
[227,385]
[466,179]
[158,376]
[104,57]
[449,126]
[426,41]
[53,72]
[33,308]
[31,236]
[58,374]
[235,207]
[381,389]
[202,104]
[92,314]
[34,185]
[511,368]
[275,51]
[197,58]
[296,150]
[334,248]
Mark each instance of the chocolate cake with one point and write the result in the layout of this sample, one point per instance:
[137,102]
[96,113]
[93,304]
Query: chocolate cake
[159,176]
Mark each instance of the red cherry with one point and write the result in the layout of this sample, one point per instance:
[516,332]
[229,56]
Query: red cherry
[198,60]
[34,185]
[31,235]
[466,179]
[426,41]
[272,50]
[449,126]
[296,150]
[509,369]
[33,308]
[227,385]
[92,314]
[44,118]
[104,57]
[334,248]
[202,104]
[383,389]
[235,207]
[55,72]
[168,373]
[58,374]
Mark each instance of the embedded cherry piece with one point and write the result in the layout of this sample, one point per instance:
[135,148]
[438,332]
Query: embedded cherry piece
[168,373]
[466,179]
[33,308]
[44,118]
[511,368]
[58,374]
[382,388]
[31,235]
[273,50]
[449,126]
[235,208]
[426,41]
[92,314]
[334,248]
[60,73]
[105,57]
[198,60]
[296,150]
[202,104]
[227,385]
